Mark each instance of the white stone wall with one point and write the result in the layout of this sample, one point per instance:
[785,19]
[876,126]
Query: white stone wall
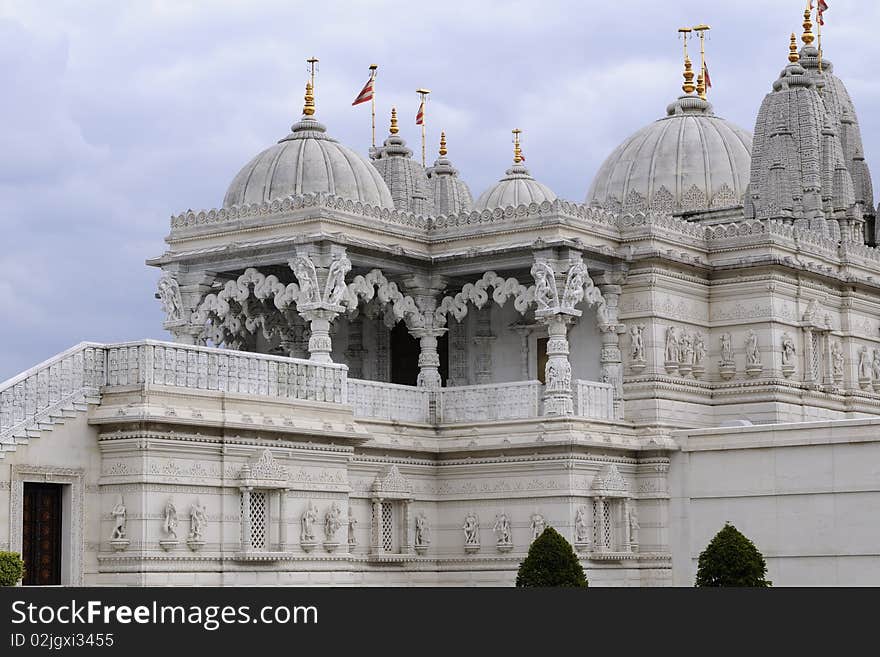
[806,494]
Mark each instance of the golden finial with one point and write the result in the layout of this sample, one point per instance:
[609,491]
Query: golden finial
[688,86]
[807,37]
[793,56]
[442,144]
[701,86]
[394,129]
[517,151]
[309,107]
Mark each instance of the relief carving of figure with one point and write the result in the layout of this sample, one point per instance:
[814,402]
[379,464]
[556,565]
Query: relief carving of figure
[539,524]
[558,375]
[753,354]
[574,286]
[304,270]
[169,295]
[672,345]
[789,351]
[198,518]
[581,529]
[423,537]
[546,296]
[726,348]
[637,344]
[865,369]
[699,349]
[170,523]
[686,350]
[471,529]
[352,523]
[118,514]
[837,360]
[633,520]
[309,518]
[876,365]
[502,529]
[332,521]
[335,288]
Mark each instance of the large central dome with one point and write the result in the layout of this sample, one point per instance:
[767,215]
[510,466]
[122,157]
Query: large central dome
[308,161]
[688,160]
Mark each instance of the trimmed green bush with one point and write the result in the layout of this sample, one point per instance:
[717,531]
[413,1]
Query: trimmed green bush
[551,562]
[731,559]
[11,568]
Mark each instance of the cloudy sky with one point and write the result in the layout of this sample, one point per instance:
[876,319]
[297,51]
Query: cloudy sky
[117,114]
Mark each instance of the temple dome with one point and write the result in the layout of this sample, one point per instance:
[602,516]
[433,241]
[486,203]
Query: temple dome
[689,160]
[308,161]
[406,179]
[451,193]
[517,187]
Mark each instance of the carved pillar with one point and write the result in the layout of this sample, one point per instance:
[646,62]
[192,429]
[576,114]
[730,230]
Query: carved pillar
[180,293]
[610,359]
[627,536]
[378,546]
[383,351]
[523,331]
[282,519]
[425,289]
[246,544]
[599,524]
[558,399]
[320,344]
[458,354]
[483,339]
[405,521]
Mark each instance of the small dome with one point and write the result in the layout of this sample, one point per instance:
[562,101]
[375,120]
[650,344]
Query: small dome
[451,193]
[406,179]
[308,161]
[688,160]
[517,187]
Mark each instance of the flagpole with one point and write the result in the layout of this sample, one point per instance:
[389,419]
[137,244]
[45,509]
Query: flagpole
[701,30]
[312,62]
[423,94]
[373,68]
[819,22]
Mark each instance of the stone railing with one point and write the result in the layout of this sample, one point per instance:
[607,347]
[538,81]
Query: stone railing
[593,400]
[389,401]
[82,372]
[499,401]
[149,363]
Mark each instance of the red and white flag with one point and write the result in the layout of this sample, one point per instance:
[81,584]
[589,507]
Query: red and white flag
[420,116]
[367,92]
[706,79]
[821,8]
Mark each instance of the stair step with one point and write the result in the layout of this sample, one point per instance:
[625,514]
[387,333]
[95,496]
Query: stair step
[68,412]
[33,433]
[45,426]
[80,406]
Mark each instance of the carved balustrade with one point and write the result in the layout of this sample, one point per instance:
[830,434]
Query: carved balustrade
[500,401]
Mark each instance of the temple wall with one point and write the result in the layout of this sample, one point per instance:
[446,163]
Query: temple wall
[803,493]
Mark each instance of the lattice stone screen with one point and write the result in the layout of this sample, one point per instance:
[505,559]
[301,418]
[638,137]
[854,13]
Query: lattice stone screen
[816,356]
[606,523]
[259,503]
[387,526]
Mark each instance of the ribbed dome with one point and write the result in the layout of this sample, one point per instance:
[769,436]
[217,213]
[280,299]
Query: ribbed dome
[308,161]
[451,193]
[406,179]
[517,187]
[688,160]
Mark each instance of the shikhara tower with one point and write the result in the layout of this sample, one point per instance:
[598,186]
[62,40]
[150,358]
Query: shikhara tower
[375,379]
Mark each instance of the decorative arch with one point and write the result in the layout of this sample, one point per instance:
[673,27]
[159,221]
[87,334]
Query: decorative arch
[375,285]
[478,294]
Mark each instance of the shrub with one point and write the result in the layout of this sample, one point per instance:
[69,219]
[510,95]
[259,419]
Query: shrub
[731,559]
[11,568]
[551,562]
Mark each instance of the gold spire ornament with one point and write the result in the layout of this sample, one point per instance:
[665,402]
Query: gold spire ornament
[394,129]
[517,151]
[807,36]
[442,144]
[701,87]
[309,107]
[688,86]
[793,55]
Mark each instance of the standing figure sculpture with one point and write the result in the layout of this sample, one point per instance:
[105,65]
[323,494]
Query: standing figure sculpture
[581,528]
[546,296]
[197,521]
[726,348]
[118,514]
[637,348]
[352,523]
[633,519]
[753,354]
[699,349]
[539,524]
[471,529]
[502,529]
[332,521]
[876,365]
[309,518]
[335,288]
[788,350]
[170,524]
[837,361]
[865,369]
[422,536]
[672,345]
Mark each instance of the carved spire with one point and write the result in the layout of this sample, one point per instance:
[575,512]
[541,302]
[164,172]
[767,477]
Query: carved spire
[309,107]
[517,151]
[701,86]
[394,129]
[688,86]
[443,144]
[793,56]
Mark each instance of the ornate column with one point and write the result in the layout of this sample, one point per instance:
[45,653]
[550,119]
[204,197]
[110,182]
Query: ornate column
[483,339]
[610,360]
[406,522]
[524,331]
[377,546]
[355,353]
[599,521]
[320,271]
[282,519]
[246,544]
[180,293]
[425,290]
[558,398]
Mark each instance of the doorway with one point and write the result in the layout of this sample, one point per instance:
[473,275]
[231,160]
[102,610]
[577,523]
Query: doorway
[405,356]
[41,534]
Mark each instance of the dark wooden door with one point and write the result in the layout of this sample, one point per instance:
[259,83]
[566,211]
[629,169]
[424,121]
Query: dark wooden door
[41,529]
